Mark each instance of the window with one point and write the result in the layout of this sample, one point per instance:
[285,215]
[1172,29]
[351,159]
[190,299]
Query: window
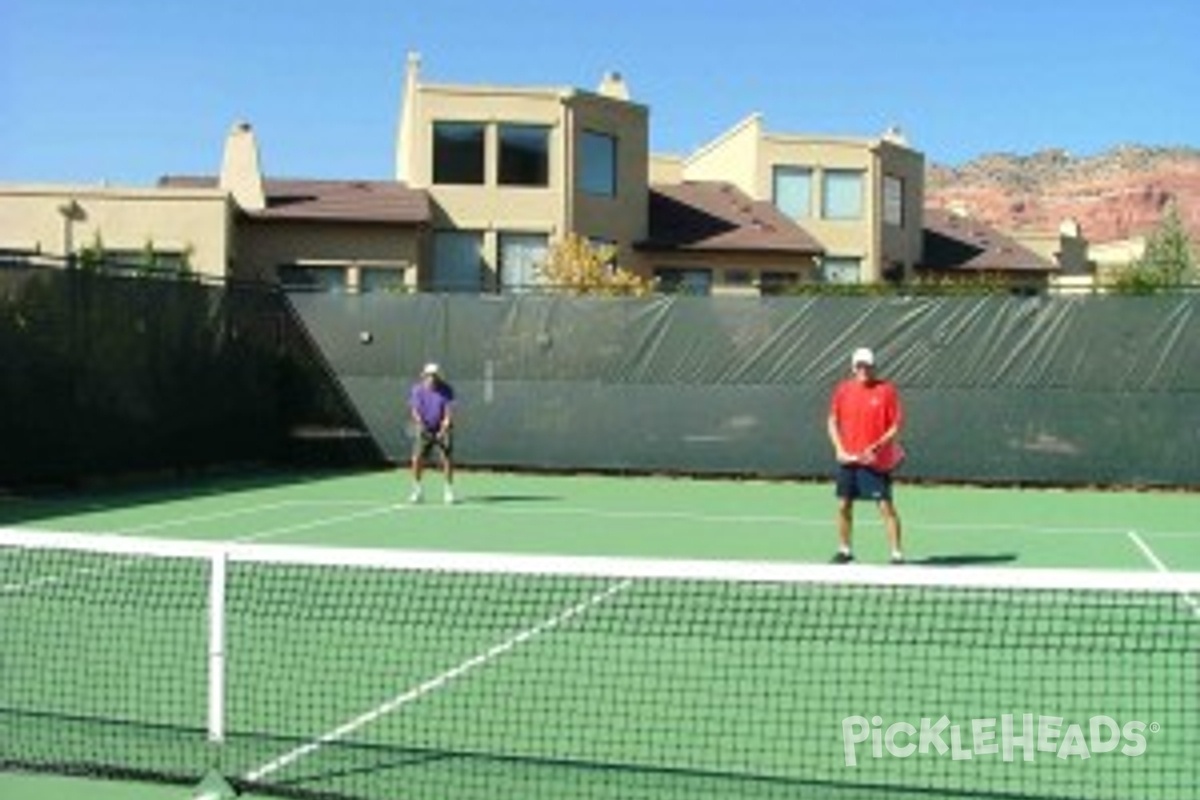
[841,270]
[524,155]
[313,279]
[521,257]
[842,195]
[673,280]
[21,257]
[457,262]
[148,261]
[893,201]
[737,277]
[598,175]
[792,191]
[458,152]
[777,283]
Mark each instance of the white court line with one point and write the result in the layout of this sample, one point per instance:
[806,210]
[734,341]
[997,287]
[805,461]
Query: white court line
[317,523]
[768,519]
[181,521]
[1158,564]
[435,683]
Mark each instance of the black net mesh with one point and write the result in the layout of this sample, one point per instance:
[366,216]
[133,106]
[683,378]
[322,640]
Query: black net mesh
[381,682]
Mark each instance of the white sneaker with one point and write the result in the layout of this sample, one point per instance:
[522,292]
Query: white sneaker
[416,495]
[448,495]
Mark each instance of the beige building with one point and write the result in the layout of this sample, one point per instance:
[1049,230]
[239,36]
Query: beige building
[508,170]
[488,178]
[860,198]
[237,224]
[1112,257]
[180,225]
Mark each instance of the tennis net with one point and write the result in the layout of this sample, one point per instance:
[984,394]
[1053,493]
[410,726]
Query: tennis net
[353,673]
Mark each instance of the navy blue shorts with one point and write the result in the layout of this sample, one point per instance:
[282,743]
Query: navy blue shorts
[855,482]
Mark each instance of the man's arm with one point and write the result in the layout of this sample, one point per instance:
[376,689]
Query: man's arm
[412,410]
[883,441]
[835,439]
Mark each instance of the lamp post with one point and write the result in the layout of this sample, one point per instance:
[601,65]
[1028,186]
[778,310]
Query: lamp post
[71,212]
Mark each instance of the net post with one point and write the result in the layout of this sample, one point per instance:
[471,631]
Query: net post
[214,786]
[216,646]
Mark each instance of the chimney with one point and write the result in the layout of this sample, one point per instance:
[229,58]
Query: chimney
[240,172]
[895,135]
[613,85]
[408,115]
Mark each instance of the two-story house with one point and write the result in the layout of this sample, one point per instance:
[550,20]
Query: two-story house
[489,177]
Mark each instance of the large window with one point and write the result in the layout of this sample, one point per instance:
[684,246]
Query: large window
[458,152]
[524,155]
[599,168]
[457,262]
[835,269]
[842,195]
[792,191]
[893,201]
[521,256]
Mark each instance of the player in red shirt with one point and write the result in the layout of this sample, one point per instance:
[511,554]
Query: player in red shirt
[865,417]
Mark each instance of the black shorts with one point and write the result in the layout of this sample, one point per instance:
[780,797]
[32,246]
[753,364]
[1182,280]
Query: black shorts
[425,442]
[856,482]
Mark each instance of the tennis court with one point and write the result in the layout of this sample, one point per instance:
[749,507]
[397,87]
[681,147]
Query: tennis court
[603,636]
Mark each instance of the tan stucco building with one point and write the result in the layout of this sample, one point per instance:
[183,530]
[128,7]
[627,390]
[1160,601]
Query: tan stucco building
[488,178]
[860,198]
[56,221]
[510,169]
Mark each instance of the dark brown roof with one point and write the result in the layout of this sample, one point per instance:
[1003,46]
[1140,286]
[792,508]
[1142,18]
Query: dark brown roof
[956,242]
[330,200]
[711,215]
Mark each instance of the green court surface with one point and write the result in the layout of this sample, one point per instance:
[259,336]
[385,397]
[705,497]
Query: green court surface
[643,516]
[491,686]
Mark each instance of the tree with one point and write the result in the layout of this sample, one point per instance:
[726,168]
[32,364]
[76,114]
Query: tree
[575,264]
[1169,259]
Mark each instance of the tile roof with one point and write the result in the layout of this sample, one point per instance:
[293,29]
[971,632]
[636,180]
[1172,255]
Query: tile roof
[956,242]
[329,200]
[717,216]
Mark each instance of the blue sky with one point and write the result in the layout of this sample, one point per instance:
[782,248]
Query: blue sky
[127,90]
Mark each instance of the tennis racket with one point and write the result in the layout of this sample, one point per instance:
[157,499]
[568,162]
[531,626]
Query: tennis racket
[886,458]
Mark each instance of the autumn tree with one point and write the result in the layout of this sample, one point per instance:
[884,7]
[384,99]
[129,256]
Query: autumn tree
[577,265]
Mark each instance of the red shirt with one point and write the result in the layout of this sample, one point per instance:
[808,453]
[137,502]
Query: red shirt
[864,412]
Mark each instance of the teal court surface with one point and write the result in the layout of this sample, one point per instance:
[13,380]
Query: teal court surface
[598,636]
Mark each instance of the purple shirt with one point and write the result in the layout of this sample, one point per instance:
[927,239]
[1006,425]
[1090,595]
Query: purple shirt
[431,404]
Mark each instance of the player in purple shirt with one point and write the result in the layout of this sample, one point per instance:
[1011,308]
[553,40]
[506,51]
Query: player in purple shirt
[430,408]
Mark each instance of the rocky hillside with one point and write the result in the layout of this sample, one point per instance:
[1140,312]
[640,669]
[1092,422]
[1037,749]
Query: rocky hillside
[1115,195]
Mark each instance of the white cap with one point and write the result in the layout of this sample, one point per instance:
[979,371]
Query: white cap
[431,369]
[862,355]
